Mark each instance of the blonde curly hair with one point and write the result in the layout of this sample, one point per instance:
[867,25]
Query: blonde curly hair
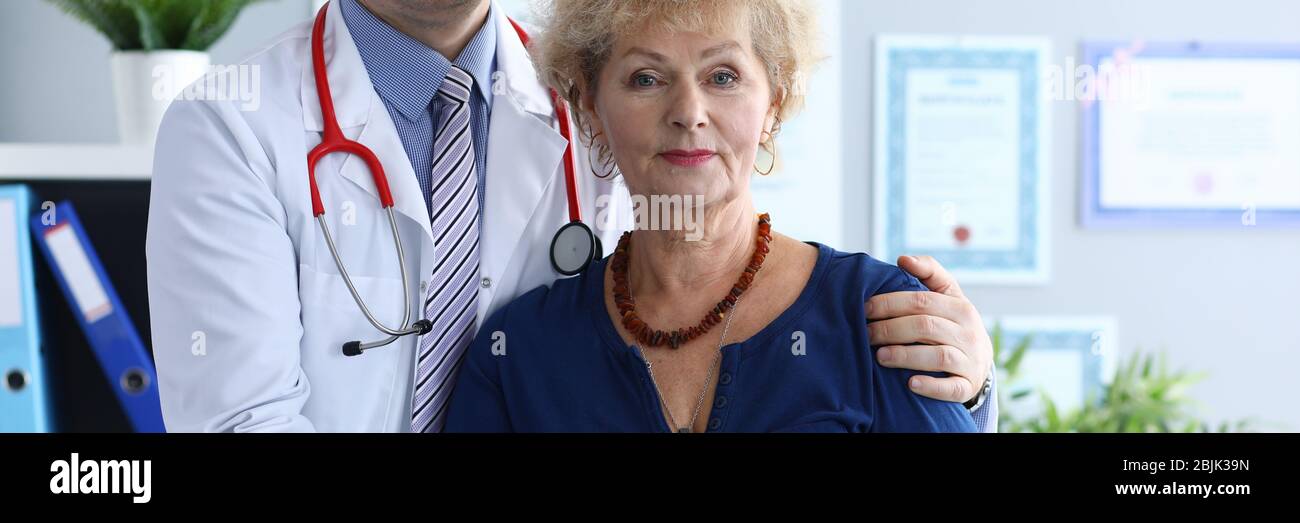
[578,36]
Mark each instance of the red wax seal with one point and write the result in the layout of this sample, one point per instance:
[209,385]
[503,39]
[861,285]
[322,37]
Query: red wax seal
[961,233]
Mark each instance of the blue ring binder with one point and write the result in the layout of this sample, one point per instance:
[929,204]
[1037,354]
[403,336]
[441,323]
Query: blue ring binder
[24,401]
[126,364]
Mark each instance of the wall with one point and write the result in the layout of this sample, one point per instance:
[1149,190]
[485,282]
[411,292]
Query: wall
[1223,301]
[54,73]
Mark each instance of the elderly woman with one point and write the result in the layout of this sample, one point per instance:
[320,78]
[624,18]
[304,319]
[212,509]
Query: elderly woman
[742,329]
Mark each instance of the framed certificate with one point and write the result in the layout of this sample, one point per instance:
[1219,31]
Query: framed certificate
[961,155]
[1191,134]
[1069,358]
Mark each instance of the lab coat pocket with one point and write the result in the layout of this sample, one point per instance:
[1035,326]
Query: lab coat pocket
[330,318]
[363,238]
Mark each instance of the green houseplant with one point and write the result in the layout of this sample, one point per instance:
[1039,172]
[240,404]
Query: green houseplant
[1144,395]
[159,47]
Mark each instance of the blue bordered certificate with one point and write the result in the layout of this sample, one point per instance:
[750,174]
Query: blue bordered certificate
[961,155]
[1069,358]
[1192,134]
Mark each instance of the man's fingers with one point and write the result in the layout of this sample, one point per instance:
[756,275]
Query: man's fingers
[930,330]
[931,358]
[910,303]
[931,273]
[955,389]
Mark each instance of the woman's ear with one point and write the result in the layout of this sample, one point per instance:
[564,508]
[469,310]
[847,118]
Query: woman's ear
[774,111]
[771,124]
[590,114]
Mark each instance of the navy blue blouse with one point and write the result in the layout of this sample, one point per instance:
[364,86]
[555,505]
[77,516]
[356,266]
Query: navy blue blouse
[552,361]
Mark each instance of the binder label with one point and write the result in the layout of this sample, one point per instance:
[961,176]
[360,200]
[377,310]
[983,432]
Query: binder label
[11,304]
[80,276]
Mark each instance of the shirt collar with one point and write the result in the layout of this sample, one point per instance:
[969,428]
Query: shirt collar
[479,58]
[405,72]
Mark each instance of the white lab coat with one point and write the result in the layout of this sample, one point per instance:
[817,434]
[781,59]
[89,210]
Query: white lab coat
[247,308]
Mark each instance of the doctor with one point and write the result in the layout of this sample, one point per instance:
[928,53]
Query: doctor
[249,305]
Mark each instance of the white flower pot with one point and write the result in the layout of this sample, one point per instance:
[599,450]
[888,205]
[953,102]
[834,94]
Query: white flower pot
[144,84]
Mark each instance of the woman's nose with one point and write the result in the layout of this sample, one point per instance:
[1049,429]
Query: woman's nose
[688,108]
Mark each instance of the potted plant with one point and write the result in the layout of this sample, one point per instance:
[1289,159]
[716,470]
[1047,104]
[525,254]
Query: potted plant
[1143,396]
[153,41]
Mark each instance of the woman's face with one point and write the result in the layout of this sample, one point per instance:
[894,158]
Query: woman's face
[684,113]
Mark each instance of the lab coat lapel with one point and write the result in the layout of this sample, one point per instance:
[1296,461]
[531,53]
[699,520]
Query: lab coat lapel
[349,83]
[524,156]
[380,135]
[357,104]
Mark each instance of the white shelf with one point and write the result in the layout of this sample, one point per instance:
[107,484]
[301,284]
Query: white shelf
[52,161]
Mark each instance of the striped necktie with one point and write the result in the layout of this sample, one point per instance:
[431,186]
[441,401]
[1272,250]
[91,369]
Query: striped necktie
[451,302]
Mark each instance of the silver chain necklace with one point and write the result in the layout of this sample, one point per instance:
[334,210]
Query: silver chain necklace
[707,379]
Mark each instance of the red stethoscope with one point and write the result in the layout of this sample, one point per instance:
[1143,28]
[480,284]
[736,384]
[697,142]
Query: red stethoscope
[573,248]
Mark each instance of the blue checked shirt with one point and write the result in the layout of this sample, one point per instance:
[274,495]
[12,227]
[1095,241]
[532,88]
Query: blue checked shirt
[407,75]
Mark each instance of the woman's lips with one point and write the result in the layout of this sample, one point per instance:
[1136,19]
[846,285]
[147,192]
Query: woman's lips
[688,158]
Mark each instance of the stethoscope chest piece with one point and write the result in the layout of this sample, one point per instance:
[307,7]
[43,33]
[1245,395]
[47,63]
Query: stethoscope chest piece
[574,248]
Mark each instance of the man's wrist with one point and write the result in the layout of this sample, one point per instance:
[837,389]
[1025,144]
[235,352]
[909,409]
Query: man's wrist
[981,396]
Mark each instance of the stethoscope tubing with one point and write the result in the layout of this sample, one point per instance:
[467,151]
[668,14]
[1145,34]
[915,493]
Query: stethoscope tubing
[333,141]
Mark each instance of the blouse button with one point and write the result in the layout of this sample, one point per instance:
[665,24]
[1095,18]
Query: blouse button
[715,423]
[724,379]
[720,402]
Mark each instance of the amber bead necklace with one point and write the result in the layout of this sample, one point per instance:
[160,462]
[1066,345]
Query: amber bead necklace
[649,336]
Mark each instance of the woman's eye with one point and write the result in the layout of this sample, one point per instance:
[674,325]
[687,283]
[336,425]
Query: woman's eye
[643,80]
[723,78]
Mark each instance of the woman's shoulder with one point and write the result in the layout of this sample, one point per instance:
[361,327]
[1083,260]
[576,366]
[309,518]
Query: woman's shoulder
[861,271]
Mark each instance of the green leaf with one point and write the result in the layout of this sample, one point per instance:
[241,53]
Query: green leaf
[996,337]
[1053,419]
[112,18]
[212,22]
[1018,353]
[148,16]
[157,24]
